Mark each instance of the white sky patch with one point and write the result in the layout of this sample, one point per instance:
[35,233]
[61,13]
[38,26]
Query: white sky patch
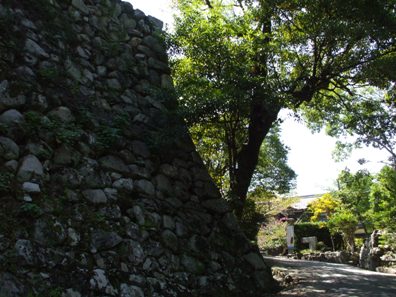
[310,156]
[161,9]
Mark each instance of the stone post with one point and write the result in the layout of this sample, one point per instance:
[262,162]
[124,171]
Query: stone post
[290,236]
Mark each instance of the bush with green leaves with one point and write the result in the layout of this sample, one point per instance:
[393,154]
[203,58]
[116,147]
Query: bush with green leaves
[272,237]
[344,221]
[261,206]
[359,242]
[383,199]
[388,239]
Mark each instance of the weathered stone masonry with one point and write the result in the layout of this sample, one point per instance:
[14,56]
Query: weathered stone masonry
[101,190]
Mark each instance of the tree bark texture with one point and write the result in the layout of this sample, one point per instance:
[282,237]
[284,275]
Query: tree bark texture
[262,117]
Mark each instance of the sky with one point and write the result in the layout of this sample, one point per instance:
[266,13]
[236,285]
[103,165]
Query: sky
[310,155]
[161,9]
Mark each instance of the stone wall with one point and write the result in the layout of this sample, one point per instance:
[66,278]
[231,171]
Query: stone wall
[342,257]
[102,192]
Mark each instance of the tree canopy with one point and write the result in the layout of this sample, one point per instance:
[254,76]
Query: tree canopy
[354,192]
[361,198]
[272,175]
[383,199]
[240,62]
[326,205]
[345,222]
[364,114]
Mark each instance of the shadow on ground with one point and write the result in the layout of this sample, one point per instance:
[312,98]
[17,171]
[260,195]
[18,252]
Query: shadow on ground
[311,279]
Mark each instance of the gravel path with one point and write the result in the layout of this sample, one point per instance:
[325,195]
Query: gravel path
[314,279]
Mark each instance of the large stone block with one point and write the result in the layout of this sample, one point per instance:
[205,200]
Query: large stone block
[30,168]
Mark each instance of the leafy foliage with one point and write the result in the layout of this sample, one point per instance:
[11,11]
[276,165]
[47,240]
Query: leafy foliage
[388,239]
[383,199]
[251,219]
[67,133]
[6,179]
[30,209]
[106,137]
[325,205]
[345,222]
[272,172]
[354,192]
[239,63]
[361,198]
[272,237]
[330,212]
[362,113]
[214,79]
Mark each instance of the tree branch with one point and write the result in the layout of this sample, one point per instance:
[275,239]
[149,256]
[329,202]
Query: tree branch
[208,4]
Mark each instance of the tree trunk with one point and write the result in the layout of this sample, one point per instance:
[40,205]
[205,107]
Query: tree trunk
[332,242]
[262,117]
[363,224]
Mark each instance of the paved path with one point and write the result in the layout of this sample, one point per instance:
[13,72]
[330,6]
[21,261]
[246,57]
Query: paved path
[316,279]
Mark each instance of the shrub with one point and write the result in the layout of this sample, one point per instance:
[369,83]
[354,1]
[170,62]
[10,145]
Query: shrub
[272,237]
[388,239]
[345,222]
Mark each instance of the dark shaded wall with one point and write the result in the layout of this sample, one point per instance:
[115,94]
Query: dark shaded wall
[101,190]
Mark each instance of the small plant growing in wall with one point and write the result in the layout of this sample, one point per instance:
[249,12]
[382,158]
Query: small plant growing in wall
[66,133]
[31,210]
[54,292]
[6,179]
[33,119]
[50,75]
[33,124]
[69,134]
[108,135]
